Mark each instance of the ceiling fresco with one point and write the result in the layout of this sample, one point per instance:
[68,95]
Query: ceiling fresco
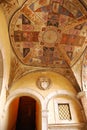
[49,33]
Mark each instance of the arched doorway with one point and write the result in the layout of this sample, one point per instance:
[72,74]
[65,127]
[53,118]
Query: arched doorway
[23,113]
[11,111]
[26,117]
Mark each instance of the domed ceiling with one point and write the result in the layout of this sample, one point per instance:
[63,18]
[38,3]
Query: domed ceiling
[49,33]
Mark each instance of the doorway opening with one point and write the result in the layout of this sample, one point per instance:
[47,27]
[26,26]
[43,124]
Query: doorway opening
[24,113]
[26,117]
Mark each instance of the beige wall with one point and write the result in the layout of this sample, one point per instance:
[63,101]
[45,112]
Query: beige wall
[75,108]
[5,50]
[60,86]
[58,82]
[1,70]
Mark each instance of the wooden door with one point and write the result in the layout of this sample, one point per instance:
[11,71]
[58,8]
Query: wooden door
[26,114]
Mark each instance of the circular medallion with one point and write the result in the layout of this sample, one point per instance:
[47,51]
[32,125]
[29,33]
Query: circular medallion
[50,36]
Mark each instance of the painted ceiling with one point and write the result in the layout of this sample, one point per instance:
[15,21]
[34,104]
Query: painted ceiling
[47,33]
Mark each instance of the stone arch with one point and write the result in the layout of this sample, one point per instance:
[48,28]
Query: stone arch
[65,97]
[24,92]
[60,93]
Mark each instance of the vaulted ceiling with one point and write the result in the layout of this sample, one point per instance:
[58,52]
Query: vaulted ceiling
[47,34]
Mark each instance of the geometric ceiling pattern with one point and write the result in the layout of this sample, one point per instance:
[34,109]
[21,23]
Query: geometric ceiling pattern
[49,33]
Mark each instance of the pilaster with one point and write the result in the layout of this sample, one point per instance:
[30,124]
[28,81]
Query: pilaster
[44,120]
[83,97]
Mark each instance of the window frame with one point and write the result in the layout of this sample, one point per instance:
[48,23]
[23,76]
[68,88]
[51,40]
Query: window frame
[56,113]
[67,104]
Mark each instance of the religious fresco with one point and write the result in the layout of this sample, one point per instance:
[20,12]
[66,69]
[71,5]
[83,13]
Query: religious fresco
[48,33]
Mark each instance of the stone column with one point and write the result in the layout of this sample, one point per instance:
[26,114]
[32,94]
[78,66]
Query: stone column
[83,97]
[44,120]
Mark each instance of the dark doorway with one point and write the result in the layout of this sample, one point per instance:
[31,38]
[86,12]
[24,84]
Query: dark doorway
[26,114]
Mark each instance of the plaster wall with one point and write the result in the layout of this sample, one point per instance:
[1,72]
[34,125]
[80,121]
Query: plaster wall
[27,86]
[58,82]
[75,109]
[5,51]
